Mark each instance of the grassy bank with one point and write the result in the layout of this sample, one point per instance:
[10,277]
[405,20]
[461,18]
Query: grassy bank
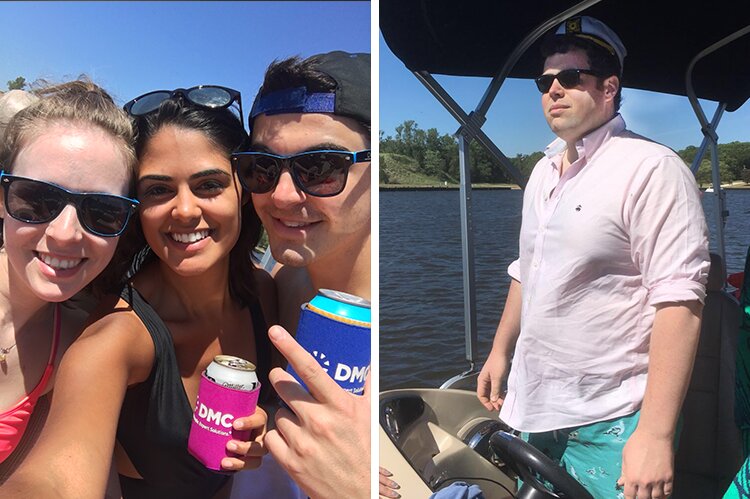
[398,172]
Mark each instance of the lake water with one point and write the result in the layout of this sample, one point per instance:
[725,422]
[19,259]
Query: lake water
[421,286]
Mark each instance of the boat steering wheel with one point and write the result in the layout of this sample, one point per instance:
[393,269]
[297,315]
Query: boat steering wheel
[530,463]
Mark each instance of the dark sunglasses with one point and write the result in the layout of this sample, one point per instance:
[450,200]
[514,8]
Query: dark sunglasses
[317,173]
[36,202]
[208,96]
[568,78]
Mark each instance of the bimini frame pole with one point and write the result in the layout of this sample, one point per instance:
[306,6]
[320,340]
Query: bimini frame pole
[471,129]
[704,144]
[711,138]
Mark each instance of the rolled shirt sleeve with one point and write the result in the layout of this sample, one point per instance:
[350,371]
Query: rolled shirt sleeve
[668,232]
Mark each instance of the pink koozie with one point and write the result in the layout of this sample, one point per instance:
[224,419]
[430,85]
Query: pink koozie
[215,410]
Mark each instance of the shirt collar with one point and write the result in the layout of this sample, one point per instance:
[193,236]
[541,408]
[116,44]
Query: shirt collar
[590,143]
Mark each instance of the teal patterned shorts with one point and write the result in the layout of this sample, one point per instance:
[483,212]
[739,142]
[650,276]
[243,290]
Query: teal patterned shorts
[740,487]
[592,454]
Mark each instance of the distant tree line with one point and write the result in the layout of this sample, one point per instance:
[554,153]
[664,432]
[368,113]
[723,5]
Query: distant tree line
[437,156]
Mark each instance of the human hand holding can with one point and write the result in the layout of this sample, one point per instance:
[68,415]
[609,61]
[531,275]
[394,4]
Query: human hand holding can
[229,388]
[335,328]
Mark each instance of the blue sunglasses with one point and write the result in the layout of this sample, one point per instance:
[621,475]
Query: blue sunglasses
[37,202]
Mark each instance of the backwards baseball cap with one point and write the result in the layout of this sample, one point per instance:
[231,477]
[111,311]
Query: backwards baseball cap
[593,30]
[350,98]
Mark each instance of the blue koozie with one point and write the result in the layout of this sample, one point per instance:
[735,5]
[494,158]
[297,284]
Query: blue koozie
[335,328]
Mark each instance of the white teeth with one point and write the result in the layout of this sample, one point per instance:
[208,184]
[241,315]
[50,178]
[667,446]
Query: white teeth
[294,224]
[58,263]
[191,237]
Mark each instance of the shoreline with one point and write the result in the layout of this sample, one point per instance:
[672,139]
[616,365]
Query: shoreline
[450,187]
[509,187]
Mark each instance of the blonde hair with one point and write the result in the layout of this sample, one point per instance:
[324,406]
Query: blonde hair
[79,102]
[11,102]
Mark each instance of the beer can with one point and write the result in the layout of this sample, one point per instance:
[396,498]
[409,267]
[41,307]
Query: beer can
[233,372]
[335,328]
[229,388]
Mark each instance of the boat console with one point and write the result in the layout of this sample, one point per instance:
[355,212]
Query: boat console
[441,437]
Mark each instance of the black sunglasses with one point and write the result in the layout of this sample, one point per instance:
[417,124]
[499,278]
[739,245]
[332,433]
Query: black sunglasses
[568,78]
[208,96]
[37,202]
[317,173]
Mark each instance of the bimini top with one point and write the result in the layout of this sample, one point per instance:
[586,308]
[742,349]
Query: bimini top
[475,38]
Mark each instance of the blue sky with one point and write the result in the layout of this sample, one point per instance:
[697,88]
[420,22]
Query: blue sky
[515,120]
[131,48]
[134,47]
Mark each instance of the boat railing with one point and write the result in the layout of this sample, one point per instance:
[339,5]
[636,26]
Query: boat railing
[710,137]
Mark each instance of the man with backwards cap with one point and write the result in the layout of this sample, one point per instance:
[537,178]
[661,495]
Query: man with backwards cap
[603,313]
[320,232]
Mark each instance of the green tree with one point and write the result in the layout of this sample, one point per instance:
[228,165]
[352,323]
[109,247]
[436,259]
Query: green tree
[737,157]
[17,84]
[448,148]
[688,154]
[433,163]
[405,138]
[387,143]
[703,176]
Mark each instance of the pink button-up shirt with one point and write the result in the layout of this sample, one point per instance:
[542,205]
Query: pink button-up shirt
[621,231]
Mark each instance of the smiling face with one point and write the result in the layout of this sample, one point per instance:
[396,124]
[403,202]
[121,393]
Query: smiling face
[59,258]
[305,230]
[572,113]
[190,200]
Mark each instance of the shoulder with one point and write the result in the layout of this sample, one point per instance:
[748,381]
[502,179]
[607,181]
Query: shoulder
[116,333]
[642,148]
[644,162]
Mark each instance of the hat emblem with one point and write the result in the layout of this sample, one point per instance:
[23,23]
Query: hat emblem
[573,25]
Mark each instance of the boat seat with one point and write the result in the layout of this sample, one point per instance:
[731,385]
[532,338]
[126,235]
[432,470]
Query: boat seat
[710,451]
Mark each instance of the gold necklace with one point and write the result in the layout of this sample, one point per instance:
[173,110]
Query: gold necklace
[5,351]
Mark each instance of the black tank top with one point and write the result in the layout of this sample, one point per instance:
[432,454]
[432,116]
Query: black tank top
[156,414]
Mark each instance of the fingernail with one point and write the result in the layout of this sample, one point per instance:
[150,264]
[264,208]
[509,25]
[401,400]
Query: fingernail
[395,494]
[275,333]
[232,446]
[238,425]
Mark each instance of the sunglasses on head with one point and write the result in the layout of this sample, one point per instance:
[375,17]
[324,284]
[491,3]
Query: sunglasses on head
[568,78]
[208,96]
[37,202]
[317,173]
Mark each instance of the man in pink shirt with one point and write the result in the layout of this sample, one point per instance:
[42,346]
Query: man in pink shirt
[603,313]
